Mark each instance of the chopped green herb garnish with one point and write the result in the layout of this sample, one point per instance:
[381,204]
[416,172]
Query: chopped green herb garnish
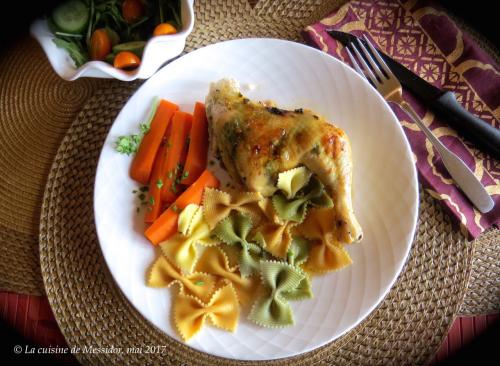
[185,174]
[151,200]
[127,144]
[199,283]
[141,195]
[174,189]
[144,128]
[159,183]
[179,177]
[170,175]
[174,208]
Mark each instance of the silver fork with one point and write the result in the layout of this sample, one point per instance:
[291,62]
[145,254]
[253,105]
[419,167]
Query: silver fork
[390,88]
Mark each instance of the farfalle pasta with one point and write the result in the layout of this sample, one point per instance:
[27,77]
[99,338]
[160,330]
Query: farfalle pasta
[181,249]
[234,230]
[275,238]
[282,282]
[293,180]
[298,252]
[268,211]
[217,205]
[295,208]
[214,261]
[164,274]
[273,234]
[326,252]
[255,252]
[190,313]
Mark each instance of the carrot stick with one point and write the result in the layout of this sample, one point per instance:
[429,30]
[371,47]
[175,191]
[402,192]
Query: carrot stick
[179,186]
[166,224]
[141,167]
[168,136]
[184,153]
[163,227]
[181,122]
[155,185]
[196,160]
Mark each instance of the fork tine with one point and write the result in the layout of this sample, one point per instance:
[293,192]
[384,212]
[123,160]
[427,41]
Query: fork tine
[354,63]
[380,60]
[370,59]
[366,68]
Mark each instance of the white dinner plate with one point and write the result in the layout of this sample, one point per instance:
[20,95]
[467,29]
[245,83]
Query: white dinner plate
[385,191]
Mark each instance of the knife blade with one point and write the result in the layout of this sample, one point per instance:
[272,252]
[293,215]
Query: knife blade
[443,103]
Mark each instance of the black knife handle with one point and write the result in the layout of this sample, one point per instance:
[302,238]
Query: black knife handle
[482,134]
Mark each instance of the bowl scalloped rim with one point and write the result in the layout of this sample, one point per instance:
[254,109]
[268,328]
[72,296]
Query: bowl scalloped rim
[158,51]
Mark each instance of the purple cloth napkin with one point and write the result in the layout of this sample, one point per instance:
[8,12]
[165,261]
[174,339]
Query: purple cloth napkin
[421,36]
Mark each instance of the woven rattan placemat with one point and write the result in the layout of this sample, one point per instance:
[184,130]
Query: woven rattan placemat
[483,293]
[91,311]
[36,109]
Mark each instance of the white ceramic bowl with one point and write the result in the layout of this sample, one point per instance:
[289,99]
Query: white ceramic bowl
[158,50]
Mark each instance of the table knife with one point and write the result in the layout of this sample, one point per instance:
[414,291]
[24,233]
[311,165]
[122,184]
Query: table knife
[443,103]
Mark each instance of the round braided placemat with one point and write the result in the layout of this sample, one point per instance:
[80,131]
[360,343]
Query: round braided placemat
[36,109]
[405,329]
[220,20]
[91,311]
[483,292]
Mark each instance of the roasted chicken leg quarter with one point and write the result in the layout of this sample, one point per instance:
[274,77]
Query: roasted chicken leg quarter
[255,142]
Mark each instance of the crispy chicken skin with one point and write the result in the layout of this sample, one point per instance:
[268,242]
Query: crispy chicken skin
[255,142]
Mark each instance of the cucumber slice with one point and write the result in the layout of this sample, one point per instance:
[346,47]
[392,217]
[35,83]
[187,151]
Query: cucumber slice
[71,16]
[136,47]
